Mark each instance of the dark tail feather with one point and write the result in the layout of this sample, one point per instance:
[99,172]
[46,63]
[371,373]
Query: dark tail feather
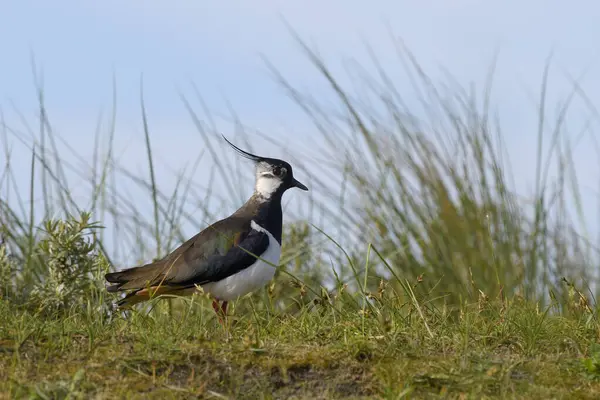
[125,275]
[119,278]
[113,277]
[113,288]
[134,278]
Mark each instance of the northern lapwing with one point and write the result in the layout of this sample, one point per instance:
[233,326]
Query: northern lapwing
[228,259]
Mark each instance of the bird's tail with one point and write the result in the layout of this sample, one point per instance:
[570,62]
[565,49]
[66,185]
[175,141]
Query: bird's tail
[146,294]
[138,279]
[134,278]
[146,282]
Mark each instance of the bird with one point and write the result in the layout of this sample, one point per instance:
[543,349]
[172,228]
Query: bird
[228,259]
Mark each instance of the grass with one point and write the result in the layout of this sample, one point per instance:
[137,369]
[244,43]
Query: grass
[507,349]
[413,271]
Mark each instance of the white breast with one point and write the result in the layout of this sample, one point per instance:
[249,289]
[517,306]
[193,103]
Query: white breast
[249,279]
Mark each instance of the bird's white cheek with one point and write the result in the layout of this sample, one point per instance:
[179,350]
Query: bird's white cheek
[267,186]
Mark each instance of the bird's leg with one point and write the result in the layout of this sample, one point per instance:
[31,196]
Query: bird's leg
[220,311]
[215,305]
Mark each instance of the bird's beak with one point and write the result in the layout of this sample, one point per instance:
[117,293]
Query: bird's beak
[299,185]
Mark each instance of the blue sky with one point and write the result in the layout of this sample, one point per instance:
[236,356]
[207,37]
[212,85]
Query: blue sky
[80,45]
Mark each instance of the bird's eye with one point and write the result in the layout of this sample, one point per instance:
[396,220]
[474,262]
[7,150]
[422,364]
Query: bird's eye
[277,171]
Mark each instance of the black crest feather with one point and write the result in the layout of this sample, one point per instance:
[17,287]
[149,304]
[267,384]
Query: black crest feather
[244,153]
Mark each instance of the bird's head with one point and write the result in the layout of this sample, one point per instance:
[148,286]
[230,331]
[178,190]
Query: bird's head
[273,176]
